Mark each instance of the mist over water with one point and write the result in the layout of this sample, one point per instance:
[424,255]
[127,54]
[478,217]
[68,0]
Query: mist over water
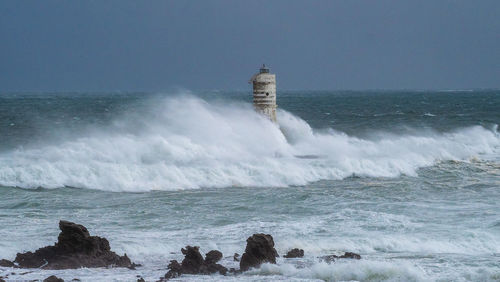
[409,180]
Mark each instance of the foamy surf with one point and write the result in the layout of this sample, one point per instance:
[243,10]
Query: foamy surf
[187,143]
[346,271]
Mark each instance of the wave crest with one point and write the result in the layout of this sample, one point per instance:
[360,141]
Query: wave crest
[186,142]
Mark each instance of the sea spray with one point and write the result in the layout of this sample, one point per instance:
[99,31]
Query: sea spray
[185,142]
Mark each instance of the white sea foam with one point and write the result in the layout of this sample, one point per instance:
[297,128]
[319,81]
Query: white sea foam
[347,271]
[186,142]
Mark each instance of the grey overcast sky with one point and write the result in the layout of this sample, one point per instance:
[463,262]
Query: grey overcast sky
[160,45]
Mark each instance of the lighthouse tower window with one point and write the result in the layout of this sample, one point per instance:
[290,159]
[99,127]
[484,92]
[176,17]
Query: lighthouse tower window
[267,93]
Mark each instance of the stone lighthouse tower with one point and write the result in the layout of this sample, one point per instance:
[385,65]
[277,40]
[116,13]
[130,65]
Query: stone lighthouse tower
[264,92]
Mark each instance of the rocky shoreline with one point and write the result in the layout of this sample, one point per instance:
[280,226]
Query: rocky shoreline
[76,248]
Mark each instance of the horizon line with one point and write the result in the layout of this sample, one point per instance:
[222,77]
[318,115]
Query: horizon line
[249,90]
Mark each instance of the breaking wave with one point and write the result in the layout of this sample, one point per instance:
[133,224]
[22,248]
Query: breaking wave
[348,271]
[186,142]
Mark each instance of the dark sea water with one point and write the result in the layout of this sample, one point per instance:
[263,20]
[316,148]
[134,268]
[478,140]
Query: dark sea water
[408,179]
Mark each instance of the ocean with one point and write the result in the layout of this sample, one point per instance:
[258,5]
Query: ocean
[410,180]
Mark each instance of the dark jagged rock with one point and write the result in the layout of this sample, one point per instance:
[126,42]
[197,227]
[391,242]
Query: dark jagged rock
[259,249]
[75,248]
[141,280]
[133,266]
[6,263]
[295,253]
[1,280]
[175,270]
[193,263]
[346,255]
[350,255]
[53,278]
[213,257]
[236,257]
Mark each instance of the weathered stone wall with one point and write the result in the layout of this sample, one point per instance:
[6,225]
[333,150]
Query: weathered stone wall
[264,94]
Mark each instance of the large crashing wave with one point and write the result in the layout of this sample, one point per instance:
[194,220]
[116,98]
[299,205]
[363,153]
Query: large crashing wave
[186,142]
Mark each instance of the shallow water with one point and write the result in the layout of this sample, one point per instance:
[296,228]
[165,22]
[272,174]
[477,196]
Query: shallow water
[409,180]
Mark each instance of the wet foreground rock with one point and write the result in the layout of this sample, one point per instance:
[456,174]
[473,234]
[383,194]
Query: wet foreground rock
[294,253]
[53,278]
[346,255]
[260,249]
[194,263]
[6,263]
[75,248]
[350,255]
